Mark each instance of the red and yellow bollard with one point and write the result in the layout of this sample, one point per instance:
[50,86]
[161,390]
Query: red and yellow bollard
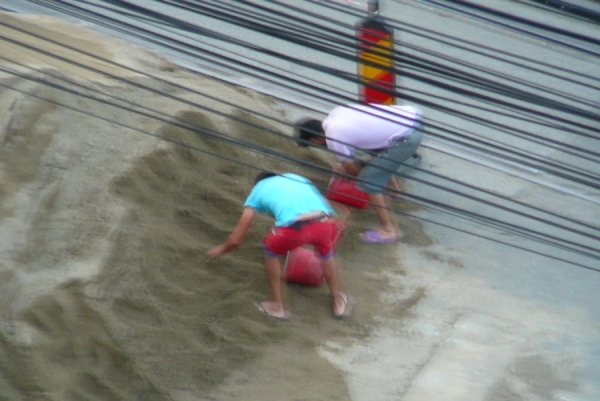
[376,61]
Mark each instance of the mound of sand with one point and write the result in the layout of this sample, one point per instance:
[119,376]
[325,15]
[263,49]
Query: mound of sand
[112,187]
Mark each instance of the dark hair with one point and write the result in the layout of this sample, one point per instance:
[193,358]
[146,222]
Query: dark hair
[262,175]
[306,129]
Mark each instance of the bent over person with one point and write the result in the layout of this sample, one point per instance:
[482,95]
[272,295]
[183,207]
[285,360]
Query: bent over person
[301,216]
[391,133]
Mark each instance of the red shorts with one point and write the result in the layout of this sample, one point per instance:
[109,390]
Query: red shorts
[281,240]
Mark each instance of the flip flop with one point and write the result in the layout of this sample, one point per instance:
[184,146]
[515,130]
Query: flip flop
[264,310]
[346,312]
[372,237]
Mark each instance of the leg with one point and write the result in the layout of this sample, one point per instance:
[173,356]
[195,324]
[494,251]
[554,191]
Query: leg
[393,183]
[387,230]
[331,278]
[375,180]
[379,173]
[321,238]
[394,192]
[274,306]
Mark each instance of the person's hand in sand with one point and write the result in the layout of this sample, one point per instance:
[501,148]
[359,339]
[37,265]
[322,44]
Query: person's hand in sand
[217,251]
[236,238]
[301,216]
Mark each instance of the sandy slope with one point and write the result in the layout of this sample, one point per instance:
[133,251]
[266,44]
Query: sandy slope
[105,292]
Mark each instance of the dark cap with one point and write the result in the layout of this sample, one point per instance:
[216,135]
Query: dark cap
[306,129]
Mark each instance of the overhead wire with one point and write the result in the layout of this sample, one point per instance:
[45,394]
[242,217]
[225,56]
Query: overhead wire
[189,103]
[497,54]
[532,137]
[584,126]
[428,67]
[403,28]
[209,55]
[221,5]
[497,75]
[214,57]
[575,11]
[138,85]
[562,173]
[473,8]
[522,20]
[538,236]
[564,145]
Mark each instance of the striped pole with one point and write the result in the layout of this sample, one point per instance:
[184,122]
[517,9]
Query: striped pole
[375,59]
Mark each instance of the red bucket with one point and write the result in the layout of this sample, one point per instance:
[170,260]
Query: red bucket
[303,267]
[345,191]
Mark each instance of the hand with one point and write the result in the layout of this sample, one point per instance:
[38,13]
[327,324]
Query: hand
[237,236]
[348,167]
[216,251]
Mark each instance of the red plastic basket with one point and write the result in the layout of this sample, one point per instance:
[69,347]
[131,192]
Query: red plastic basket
[345,191]
[303,267]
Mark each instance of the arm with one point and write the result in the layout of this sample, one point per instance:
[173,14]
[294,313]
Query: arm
[345,154]
[349,167]
[237,236]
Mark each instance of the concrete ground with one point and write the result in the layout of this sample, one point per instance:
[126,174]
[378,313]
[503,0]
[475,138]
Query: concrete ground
[496,322]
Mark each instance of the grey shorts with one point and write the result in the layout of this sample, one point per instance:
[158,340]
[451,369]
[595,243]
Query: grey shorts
[380,168]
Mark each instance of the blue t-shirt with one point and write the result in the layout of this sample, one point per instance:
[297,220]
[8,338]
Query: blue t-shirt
[286,197]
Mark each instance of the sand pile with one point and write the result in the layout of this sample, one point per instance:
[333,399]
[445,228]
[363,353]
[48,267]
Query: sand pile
[109,196]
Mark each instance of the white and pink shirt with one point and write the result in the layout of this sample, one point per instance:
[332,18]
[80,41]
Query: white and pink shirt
[368,126]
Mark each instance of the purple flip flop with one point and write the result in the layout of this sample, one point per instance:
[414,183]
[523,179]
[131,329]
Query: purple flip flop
[372,237]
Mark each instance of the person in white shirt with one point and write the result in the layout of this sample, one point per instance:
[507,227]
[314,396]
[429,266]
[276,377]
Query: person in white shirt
[390,132]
